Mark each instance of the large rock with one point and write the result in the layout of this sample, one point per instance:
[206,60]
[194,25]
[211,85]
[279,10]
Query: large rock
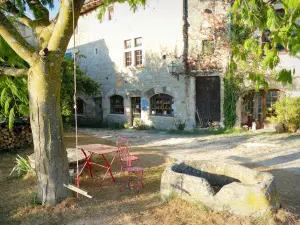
[221,186]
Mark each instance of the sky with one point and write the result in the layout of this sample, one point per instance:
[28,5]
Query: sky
[53,11]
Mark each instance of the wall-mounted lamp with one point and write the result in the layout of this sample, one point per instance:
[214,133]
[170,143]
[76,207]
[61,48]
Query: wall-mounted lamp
[172,69]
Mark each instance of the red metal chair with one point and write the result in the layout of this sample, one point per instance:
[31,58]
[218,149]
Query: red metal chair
[126,159]
[139,173]
[123,144]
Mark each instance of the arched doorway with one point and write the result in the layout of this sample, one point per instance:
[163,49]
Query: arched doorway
[257,106]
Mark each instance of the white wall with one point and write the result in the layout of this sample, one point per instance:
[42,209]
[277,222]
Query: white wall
[160,26]
[293,63]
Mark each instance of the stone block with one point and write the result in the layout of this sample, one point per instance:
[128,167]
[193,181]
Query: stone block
[221,187]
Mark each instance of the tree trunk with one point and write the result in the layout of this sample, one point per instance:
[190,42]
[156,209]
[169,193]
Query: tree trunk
[46,123]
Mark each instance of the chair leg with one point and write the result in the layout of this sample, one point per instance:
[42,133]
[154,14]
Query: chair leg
[139,164]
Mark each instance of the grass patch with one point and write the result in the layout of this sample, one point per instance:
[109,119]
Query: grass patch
[110,206]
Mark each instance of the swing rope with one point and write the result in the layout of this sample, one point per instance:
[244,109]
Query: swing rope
[75,91]
[69,186]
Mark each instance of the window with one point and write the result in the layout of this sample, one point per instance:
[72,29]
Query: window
[162,105]
[208,47]
[127,44]
[128,59]
[134,50]
[110,12]
[138,42]
[138,57]
[98,102]
[96,51]
[271,97]
[80,106]
[116,104]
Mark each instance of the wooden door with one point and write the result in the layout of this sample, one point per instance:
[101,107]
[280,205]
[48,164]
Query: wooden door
[208,98]
[135,108]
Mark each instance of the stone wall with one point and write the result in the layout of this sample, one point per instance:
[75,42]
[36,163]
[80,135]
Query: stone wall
[160,27]
[207,23]
[19,137]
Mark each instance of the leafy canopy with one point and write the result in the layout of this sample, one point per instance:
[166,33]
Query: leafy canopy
[279,22]
[134,4]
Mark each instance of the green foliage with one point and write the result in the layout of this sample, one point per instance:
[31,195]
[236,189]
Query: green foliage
[85,86]
[140,125]
[114,125]
[23,167]
[14,93]
[180,125]
[13,98]
[249,20]
[134,4]
[231,94]
[287,113]
[8,57]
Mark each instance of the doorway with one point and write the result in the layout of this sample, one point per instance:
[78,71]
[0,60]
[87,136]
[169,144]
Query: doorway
[135,108]
[207,100]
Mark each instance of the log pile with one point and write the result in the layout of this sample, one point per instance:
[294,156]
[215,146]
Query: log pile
[19,137]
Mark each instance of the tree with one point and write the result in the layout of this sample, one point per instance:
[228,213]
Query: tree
[44,82]
[274,22]
[14,93]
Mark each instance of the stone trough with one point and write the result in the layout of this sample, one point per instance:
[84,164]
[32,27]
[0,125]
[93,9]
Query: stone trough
[221,187]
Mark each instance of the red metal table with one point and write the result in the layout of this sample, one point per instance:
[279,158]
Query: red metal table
[97,149]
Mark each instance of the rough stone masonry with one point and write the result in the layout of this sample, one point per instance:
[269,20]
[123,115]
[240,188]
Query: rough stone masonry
[221,187]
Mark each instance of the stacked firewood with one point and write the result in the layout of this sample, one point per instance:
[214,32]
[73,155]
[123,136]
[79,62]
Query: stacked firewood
[19,136]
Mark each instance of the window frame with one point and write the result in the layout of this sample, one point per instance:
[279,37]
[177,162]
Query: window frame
[161,106]
[137,60]
[204,47]
[121,108]
[110,13]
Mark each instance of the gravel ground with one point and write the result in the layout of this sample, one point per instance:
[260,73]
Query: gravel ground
[278,154]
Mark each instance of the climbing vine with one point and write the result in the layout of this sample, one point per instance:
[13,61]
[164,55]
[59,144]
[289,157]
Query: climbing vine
[232,89]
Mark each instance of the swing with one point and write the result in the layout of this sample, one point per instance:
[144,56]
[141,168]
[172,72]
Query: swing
[69,186]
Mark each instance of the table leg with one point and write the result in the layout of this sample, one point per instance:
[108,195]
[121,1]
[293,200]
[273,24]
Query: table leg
[87,163]
[108,166]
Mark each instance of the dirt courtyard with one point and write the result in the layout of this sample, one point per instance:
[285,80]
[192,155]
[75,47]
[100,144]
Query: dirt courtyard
[264,150]
[278,154]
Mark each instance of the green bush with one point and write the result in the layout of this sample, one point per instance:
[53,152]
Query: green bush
[287,114]
[23,167]
[180,125]
[139,125]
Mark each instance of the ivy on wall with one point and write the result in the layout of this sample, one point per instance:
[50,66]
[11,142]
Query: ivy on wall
[231,95]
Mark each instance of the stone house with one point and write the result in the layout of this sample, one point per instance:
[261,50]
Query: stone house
[130,53]
[254,106]
[163,64]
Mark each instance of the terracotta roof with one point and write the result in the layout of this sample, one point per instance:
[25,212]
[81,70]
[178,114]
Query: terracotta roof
[90,6]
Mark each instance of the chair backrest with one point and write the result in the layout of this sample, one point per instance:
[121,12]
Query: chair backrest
[123,152]
[123,144]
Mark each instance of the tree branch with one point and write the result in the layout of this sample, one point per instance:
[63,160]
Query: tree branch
[16,41]
[39,11]
[11,8]
[14,72]
[63,29]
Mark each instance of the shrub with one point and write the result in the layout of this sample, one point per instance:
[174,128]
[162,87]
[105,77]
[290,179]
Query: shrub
[127,126]
[180,125]
[139,125]
[287,114]
[23,167]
